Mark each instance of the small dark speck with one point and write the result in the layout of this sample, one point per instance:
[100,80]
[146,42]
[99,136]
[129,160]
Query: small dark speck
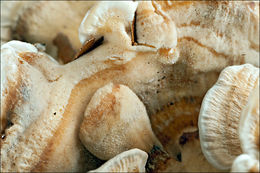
[183,140]
[3,136]
[158,72]
[54,113]
[157,92]
[171,103]
[179,157]
[163,77]
[148,62]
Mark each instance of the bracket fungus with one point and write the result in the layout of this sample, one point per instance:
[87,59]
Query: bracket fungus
[115,120]
[133,160]
[135,25]
[249,125]
[156,30]
[220,114]
[249,135]
[44,97]
[109,19]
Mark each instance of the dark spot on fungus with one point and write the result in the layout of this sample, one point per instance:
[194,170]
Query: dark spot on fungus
[179,158]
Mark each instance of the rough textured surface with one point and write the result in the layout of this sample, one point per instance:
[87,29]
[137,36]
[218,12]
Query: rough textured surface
[209,38]
[249,125]
[221,111]
[115,120]
[133,160]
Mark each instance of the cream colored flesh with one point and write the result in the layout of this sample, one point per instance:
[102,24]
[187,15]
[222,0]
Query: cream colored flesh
[133,160]
[38,145]
[115,120]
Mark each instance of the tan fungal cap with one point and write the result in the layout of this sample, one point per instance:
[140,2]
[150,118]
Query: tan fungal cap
[115,120]
[245,163]
[156,29]
[133,160]
[249,125]
[106,17]
[220,114]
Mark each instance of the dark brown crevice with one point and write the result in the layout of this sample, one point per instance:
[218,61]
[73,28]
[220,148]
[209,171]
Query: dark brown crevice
[188,136]
[134,35]
[9,124]
[133,31]
[66,52]
[88,46]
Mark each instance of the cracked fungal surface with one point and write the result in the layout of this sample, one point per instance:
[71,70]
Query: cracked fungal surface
[42,135]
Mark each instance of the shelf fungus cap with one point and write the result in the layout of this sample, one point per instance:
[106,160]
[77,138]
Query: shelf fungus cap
[155,29]
[220,114]
[245,163]
[249,125]
[11,71]
[106,17]
[133,160]
[115,120]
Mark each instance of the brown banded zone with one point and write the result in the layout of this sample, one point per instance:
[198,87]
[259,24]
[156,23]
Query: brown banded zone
[9,100]
[60,138]
[224,31]
[155,84]
[16,145]
[170,123]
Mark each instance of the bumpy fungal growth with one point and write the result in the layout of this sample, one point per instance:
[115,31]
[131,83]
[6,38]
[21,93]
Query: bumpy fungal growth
[115,120]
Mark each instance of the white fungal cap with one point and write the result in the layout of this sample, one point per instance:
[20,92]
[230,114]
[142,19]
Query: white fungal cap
[245,163]
[115,120]
[133,160]
[220,114]
[249,125]
[106,17]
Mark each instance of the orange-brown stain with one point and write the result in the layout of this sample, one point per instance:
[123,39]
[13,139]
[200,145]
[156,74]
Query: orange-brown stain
[254,169]
[29,57]
[100,113]
[11,99]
